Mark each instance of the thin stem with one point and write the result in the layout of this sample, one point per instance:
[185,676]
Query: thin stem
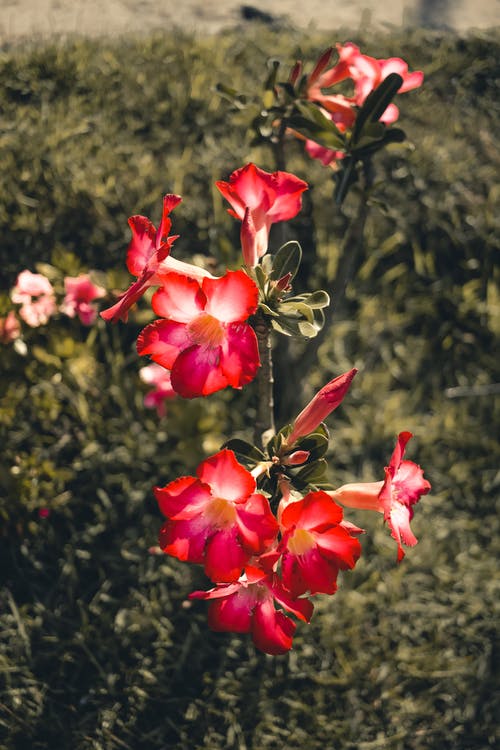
[264,423]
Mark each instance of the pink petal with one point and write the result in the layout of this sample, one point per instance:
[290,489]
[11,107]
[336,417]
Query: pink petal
[179,299]
[315,510]
[225,558]
[226,477]
[185,540]
[310,571]
[301,608]
[183,499]
[142,245]
[169,203]
[163,340]
[399,523]
[257,525]
[287,200]
[119,311]
[248,240]
[363,495]
[240,355]
[409,483]
[232,298]
[197,372]
[272,631]
[339,547]
[232,614]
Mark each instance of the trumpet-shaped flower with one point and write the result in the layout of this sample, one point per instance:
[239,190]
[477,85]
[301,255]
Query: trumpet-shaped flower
[260,199]
[248,606]
[148,255]
[162,390]
[395,496]
[35,294]
[320,406]
[315,545]
[216,518]
[80,293]
[204,338]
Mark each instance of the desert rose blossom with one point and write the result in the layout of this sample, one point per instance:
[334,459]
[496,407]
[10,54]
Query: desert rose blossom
[149,254]
[35,294]
[216,518]
[80,293]
[156,376]
[204,338]
[260,199]
[320,406]
[248,606]
[395,496]
[315,545]
[10,328]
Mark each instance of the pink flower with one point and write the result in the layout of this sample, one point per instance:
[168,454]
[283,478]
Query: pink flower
[368,73]
[205,340]
[248,606]
[35,294]
[216,518]
[327,156]
[260,199]
[403,486]
[320,406]
[10,328]
[80,292]
[148,255]
[158,377]
[315,545]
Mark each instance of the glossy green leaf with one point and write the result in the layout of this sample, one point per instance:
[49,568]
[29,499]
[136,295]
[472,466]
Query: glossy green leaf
[287,260]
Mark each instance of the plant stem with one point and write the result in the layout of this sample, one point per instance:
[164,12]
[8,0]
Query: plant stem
[264,423]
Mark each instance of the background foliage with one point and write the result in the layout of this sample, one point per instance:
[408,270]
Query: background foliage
[98,646]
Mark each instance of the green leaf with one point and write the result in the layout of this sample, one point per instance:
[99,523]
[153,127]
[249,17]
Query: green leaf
[376,103]
[286,260]
[309,330]
[245,450]
[318,299]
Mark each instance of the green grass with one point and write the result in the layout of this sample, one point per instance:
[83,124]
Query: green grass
[98,648]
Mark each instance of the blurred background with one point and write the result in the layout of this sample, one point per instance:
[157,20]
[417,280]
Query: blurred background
[98,646]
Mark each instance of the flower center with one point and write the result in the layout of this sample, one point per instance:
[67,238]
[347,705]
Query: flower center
[206,330]
[221,512]
[301,542]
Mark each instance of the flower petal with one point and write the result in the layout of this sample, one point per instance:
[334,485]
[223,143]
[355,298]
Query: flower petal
[226,477]
[183,499]
[225,558]
[231,298]
[197,372]
[142,245]
[240,355]
[272,631]
[163,340]
[180,298]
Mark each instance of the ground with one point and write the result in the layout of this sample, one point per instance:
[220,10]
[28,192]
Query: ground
[26,18]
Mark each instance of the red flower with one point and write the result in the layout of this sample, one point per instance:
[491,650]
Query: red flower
[248,606]
[205,341]
[402,488]
[10,328]
[216,518]
[260,199]
[321,405]
[148,255]
[80,292]
[315,545]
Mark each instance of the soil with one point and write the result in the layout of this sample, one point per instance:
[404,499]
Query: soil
[21,19]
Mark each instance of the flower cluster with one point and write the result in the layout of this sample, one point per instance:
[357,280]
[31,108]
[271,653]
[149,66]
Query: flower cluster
[266,566]
[202,336]
[366,74]
[37,298]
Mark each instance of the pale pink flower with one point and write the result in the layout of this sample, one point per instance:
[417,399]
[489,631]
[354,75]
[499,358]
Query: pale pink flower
[35,294]
[80,293]
[156,376]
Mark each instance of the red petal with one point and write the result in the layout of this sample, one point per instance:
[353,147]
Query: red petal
[185,540]
[315,510]
[226,477]
[232,298]
[179,299]
[142,245]
[169,203]
[240,355]
[119,311]
[225,558]
[163,340]
[272,631]
[339,546]
[234,613]
[409,483]
[287,199]
[197,372]
[257,525]
[183,498]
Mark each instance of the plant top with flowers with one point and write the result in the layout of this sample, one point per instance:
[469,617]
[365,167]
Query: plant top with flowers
[260,515]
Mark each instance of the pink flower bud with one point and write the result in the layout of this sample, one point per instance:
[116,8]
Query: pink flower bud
[320,406]
[296,458]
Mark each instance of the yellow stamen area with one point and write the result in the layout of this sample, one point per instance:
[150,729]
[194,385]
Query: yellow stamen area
[301,542]
[221,512]
[206,330]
